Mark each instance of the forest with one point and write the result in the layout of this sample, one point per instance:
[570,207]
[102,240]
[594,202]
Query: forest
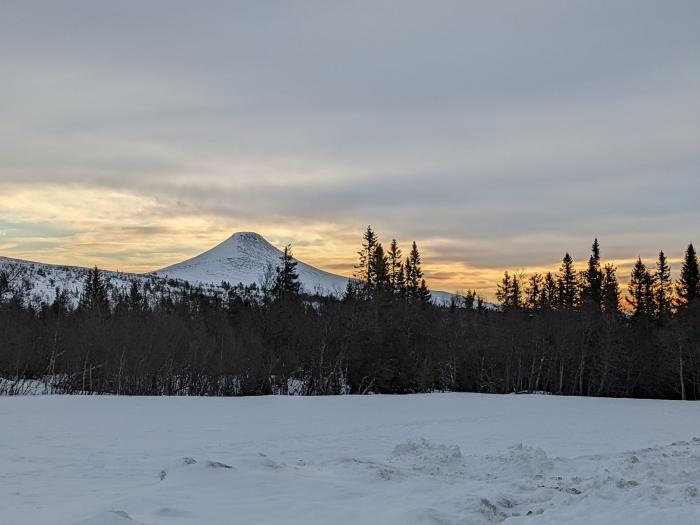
[567,332]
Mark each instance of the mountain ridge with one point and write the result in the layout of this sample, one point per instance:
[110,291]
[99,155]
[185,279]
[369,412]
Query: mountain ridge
[242,258]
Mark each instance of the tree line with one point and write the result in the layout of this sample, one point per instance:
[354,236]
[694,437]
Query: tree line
[568,333]
[652,295]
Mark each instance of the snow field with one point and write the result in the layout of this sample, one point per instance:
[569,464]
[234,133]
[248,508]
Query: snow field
[424,459]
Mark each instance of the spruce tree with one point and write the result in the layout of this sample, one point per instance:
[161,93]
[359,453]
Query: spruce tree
[414,273]
[549,297]
[503,290]
[380,268]
[135,297]
[516,292]
[641,291]
[509,293]
[395,266]
[424,294]
[535,291]
[364,269]
[592,288]
[94,296]
[351,291]
[566,283]
[550,293]
[689,283]
[407,278]
[61,302]
[611,289]
[469,299]
[663,289]
[4,283]
[287,283]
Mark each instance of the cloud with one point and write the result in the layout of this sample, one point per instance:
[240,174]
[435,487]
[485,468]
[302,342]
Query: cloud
[498,135]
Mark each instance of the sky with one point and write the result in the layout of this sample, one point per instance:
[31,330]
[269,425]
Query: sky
[496,134]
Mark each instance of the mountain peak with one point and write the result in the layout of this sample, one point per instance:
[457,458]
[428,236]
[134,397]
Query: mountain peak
[247,236]
[244,257]
[247,241]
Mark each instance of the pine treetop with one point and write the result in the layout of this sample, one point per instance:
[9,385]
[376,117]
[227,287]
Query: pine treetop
[287,283]
[689,282]
[94,295]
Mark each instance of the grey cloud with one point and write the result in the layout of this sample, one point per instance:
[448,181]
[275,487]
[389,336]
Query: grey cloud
[511,129]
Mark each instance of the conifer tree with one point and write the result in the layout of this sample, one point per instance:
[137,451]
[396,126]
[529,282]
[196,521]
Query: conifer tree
[611,289]
[509,292]
[566,283]
[641,291]
[469,299]
[424,294]
[94,296]
[287,283]
[413,270]
[395,266]
[689,282]
[364,269]
[61,302]
[4,283]
[516,292]
[550,293]
[535,290]
[415,288]
[351,291]
[503,290]
[380,268]
[592,288]
[663,289]
[135,297]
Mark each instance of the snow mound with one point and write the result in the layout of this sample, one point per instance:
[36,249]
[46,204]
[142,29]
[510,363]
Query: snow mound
[522,461]
[192,465]
[427,457]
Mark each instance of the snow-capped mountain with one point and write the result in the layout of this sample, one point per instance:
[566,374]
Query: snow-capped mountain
[243,258]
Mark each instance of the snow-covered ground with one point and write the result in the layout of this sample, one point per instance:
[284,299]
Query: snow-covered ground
[423,459]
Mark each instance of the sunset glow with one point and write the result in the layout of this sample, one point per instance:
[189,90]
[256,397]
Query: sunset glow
[136,153]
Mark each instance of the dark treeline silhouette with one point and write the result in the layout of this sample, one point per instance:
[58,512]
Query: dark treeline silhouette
[569,332]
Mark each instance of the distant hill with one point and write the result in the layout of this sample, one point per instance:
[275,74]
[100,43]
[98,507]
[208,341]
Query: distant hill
[243,258]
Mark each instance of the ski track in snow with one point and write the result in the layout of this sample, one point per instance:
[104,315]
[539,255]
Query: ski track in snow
[441,459]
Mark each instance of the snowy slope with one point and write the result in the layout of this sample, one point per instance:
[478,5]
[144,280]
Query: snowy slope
[242,258]
[453,459]
[38,281]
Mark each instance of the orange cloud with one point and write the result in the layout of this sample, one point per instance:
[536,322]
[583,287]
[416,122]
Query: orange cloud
[121,230]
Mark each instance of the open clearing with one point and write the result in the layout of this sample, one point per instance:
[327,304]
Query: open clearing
[422,459]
